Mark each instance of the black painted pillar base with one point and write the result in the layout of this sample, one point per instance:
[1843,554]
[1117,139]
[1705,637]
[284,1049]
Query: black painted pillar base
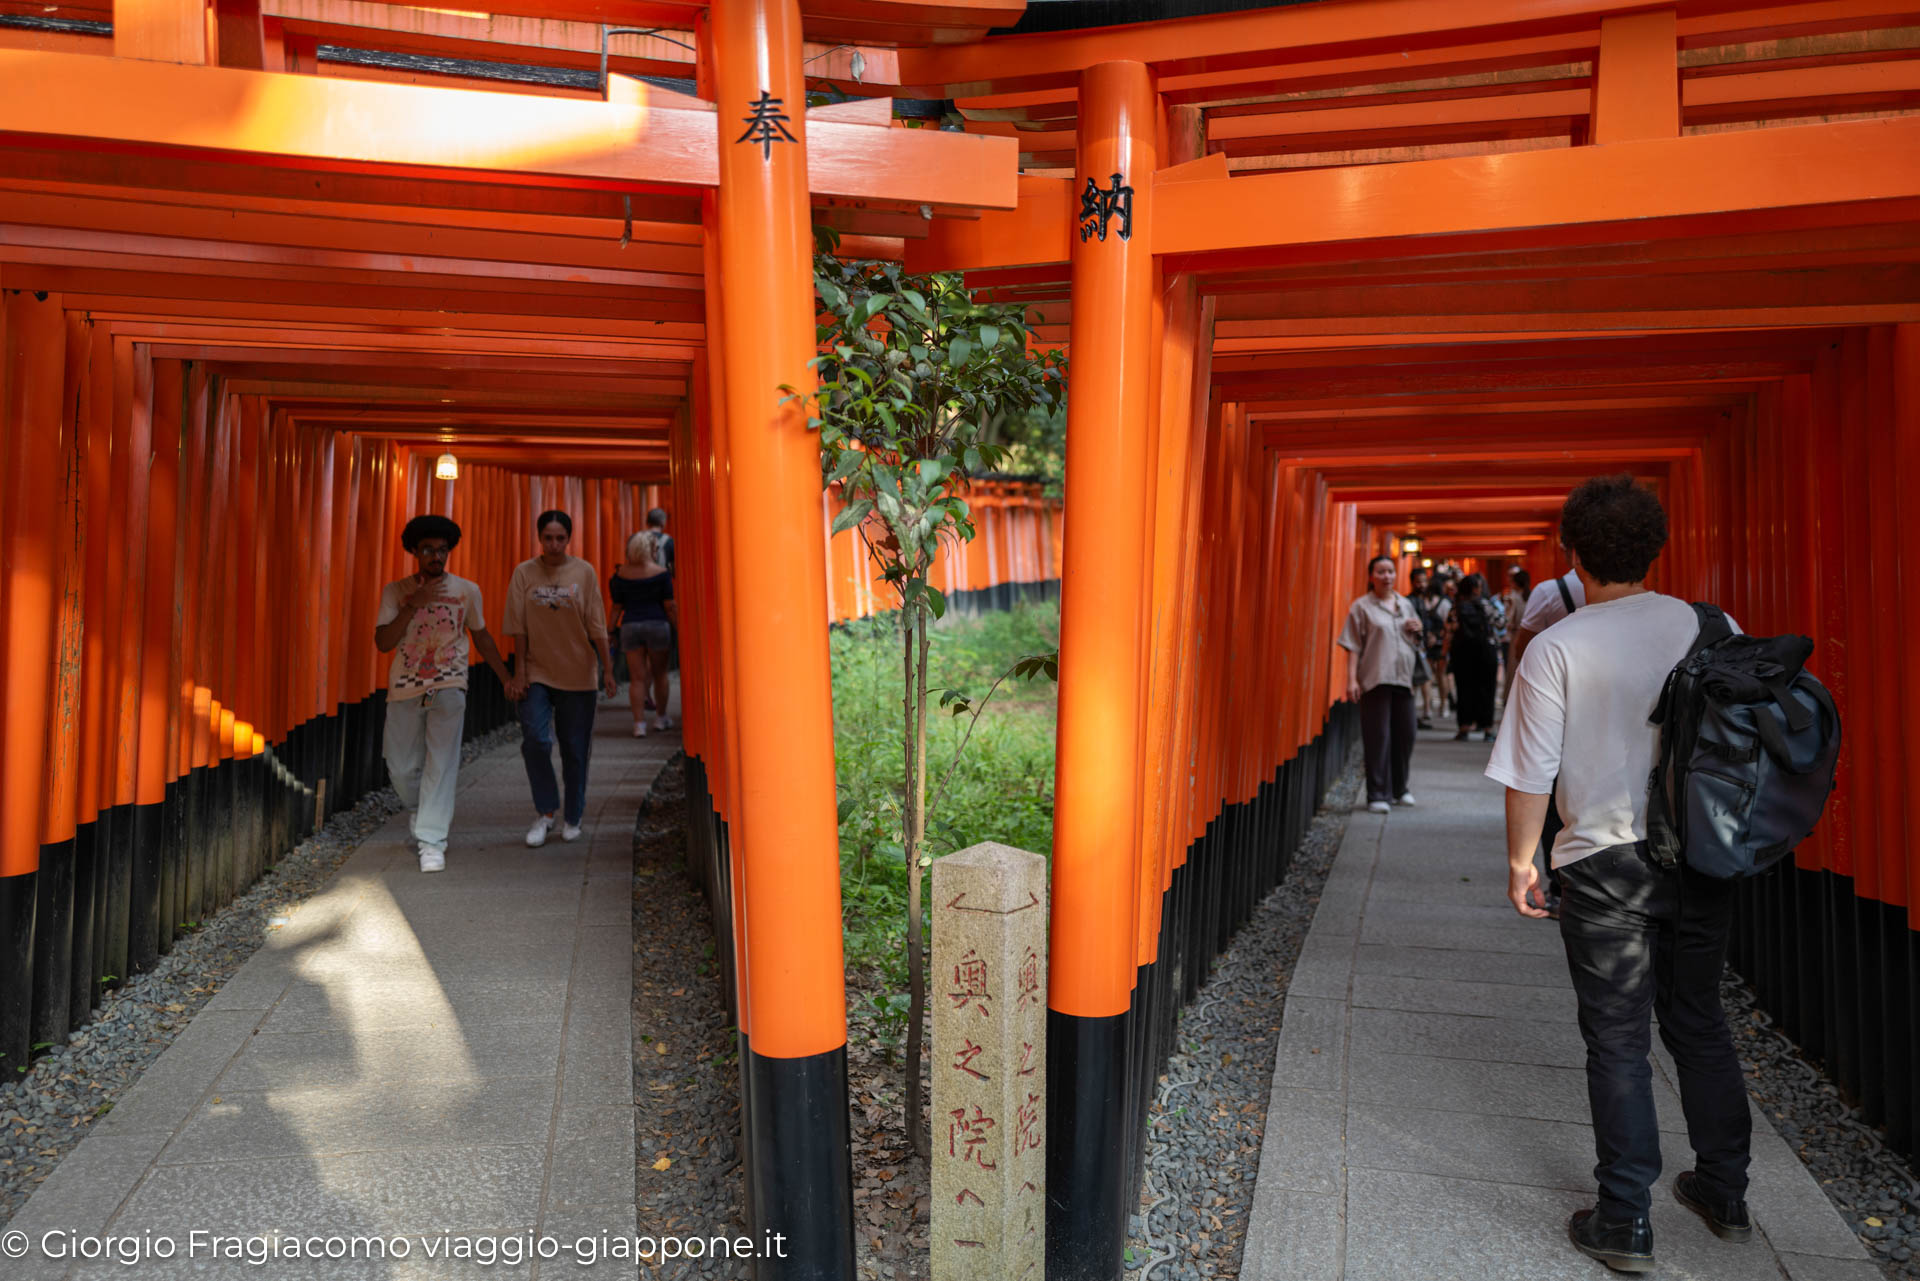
[147,840]
[53,943]
[119,891]
[83,987]
[1087,1167]
[801,1176]
[18,895]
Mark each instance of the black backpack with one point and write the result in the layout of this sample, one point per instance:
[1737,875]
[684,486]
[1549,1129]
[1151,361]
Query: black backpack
[1748,743]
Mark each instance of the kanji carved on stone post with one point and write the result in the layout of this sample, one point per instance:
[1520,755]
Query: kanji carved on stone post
[989,1079]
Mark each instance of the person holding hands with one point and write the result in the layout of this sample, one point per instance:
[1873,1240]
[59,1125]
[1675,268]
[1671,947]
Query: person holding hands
[559,628]
[424,621]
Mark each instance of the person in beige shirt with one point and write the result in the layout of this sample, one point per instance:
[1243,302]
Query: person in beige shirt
[559,628]
[1381,632]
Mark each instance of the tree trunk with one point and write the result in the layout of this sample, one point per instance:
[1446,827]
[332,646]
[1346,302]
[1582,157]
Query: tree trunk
[913,812]
[916,933]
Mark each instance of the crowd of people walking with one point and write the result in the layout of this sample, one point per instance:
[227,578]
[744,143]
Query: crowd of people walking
[561,664]
[1445,649]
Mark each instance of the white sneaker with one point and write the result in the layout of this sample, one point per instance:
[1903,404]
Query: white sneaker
[432,859]
[663,723]
[1406,798]
[537,834]
[1378,807]
[570,832]
[639,729]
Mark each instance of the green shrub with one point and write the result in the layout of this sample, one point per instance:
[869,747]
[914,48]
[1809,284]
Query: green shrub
[1001,789]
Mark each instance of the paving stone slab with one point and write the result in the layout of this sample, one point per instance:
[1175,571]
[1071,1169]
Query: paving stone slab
[173,1085]
[1459,1036]
[1518,969]
[366,1118]
[1294,1236]
[84,1191]
[393,1193]
[1459,996]
[1510,1089]
[1406,1225]
[439,1001]
[343,1059]
[1789,1206]
[1812,1267]
[1313,1043]
[1309,1128]
[592,1171]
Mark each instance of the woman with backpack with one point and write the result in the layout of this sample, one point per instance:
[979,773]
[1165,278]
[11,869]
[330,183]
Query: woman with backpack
[1473,657]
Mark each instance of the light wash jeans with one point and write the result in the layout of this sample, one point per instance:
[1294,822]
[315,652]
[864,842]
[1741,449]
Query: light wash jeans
[423,755]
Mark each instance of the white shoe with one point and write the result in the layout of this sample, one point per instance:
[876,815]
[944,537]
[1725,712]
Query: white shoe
[663,723]
[432,859]
[1406,798]
[1378,807]
[639,729]
[570,832]
[537,834]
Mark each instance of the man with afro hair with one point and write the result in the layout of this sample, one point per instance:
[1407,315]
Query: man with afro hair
[424,621]
[1640,938]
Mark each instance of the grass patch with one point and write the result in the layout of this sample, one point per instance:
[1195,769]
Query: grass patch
[1001,789]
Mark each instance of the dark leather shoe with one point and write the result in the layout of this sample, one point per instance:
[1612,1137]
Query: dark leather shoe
[1728,1219]
[1625,1245]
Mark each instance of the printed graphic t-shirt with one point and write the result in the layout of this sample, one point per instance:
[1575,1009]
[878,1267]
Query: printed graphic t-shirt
[433,653]
[559,611]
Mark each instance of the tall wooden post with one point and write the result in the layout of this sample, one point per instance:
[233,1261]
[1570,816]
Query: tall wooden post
[1103,602]
[785,831]
[32,340]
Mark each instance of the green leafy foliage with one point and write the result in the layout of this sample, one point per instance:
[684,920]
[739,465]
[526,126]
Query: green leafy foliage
[919,384]
[1000,788]
[915,377]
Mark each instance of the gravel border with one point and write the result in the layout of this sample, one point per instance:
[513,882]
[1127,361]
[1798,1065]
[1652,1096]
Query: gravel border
[46,1111]
[688,1177]
[1872,1186]
[1209,1113]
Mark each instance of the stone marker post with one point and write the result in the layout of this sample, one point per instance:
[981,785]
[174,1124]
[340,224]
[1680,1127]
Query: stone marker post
[988,988]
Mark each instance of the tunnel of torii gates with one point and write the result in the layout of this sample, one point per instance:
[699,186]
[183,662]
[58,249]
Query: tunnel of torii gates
[1332,274]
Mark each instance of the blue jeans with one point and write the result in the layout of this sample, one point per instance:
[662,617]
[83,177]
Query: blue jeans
[1640,940]
[568,713]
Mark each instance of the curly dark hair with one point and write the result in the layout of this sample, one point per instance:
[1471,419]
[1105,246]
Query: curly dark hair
[429,527]
[1615,527]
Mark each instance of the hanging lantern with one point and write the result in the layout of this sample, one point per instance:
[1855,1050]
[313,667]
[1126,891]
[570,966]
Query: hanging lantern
[1410,545]
[447,468]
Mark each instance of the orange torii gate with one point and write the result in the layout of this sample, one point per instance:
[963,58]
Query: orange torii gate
[1334,274]
[1338,274]
[338,276]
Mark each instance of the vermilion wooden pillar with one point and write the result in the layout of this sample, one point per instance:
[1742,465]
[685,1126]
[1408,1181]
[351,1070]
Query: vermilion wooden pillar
[32,340]
[785,831]
[1104,597]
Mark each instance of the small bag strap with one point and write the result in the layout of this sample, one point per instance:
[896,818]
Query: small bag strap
[1566,593]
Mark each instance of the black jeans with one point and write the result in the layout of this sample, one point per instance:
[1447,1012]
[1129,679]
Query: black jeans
[1386,733]
[1642,939]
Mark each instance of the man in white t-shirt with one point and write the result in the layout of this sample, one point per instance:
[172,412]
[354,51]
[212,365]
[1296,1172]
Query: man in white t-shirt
[1639,938]
[424,620]
[1547,604]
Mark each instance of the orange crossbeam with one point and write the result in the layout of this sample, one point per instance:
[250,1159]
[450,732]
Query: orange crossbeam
[645,139]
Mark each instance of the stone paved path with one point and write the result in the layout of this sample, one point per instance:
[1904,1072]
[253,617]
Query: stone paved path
[412,1055]
[1429,1116]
